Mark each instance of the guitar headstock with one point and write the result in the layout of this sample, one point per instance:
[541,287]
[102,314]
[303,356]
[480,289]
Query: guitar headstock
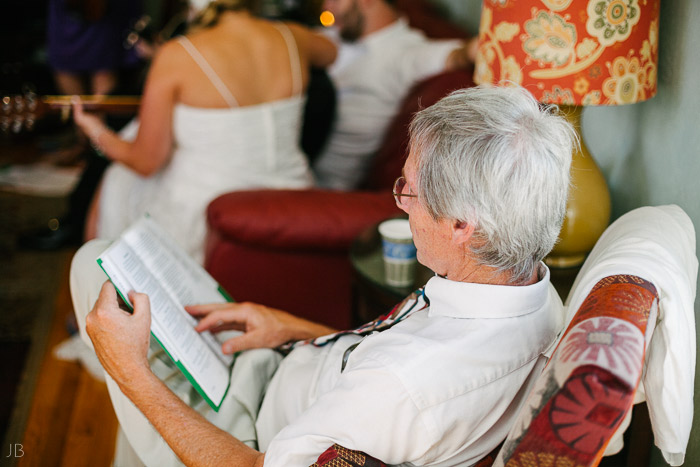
[20,112]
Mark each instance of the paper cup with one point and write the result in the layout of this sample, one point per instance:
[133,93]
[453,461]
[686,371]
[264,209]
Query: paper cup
[399,252]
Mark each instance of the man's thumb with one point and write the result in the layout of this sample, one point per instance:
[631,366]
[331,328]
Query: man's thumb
[140,302]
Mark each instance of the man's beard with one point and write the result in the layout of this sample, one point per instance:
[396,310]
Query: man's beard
[353,24]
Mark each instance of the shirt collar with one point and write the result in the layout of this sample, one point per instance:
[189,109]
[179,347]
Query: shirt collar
[470,300]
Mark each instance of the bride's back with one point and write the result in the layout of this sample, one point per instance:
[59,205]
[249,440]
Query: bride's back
[251,56]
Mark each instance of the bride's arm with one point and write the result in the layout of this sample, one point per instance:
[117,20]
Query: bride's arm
[152,147]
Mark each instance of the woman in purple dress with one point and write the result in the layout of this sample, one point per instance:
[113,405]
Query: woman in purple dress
[85,43]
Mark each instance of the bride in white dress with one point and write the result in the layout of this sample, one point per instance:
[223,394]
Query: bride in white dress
[221,111]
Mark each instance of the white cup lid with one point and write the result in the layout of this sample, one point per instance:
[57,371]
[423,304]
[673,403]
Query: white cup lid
[398,229]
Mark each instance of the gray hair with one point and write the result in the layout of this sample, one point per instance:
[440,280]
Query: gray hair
[493,158]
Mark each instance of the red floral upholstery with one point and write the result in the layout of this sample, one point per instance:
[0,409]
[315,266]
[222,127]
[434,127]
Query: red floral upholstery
[588,385]
[338,456]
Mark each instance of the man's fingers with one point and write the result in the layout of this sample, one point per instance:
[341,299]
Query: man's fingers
[107,297]
[122,304]
[223,319]
[142,305]
[249,340]
[108,289]
[221,326]
[205,309]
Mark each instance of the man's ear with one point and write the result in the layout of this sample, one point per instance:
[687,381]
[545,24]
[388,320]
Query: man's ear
[462,232]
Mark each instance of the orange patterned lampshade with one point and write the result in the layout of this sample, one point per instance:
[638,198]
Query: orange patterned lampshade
[573,52]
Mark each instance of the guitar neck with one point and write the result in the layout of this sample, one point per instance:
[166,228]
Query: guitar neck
[20,113]
[111,104]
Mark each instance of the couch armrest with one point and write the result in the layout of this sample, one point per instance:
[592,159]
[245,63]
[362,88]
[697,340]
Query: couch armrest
[298,219]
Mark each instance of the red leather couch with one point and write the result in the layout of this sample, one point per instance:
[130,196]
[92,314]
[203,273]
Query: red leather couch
[289,248]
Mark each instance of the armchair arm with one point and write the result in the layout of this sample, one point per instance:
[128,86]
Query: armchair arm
[588,386]
[298,219]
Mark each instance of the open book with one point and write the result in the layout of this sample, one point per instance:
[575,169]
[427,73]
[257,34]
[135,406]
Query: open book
[145,259]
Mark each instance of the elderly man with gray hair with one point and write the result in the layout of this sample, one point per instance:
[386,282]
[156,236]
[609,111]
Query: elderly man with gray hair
[438,380]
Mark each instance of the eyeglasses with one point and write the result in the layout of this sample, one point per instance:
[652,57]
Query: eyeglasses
[399,186]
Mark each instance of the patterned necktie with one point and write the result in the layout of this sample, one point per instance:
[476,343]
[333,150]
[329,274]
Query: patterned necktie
[416,301]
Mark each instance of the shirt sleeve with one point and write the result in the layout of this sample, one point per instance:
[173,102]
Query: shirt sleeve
[369,410]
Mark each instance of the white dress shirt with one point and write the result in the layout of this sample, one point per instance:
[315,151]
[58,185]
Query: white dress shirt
[440,388]
[371,77]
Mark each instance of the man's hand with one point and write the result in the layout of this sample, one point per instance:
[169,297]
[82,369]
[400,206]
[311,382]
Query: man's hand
[464,55]
[120,338]
[121,342]
[263,327]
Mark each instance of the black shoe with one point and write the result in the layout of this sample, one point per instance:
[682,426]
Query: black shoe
[55,236]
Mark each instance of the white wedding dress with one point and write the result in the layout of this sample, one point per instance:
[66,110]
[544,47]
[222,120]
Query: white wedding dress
[215,151]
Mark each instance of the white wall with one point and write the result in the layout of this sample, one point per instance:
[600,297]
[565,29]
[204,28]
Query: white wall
[649,152]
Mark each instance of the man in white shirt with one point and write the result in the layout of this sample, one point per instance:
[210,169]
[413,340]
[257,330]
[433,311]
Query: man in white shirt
[379,59]
[485,188]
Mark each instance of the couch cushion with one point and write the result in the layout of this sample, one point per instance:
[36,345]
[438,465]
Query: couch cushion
[302,220]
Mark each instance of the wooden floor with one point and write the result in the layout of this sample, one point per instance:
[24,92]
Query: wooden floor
[71,420]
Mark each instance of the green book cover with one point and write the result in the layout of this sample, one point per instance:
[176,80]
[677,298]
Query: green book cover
[147,260]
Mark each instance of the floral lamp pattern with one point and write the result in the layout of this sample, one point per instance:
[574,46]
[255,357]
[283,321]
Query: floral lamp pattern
[572,52]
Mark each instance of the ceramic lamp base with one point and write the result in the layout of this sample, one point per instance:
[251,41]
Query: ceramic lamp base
[588,206]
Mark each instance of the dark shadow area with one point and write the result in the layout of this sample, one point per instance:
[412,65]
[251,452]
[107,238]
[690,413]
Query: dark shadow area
[11,366]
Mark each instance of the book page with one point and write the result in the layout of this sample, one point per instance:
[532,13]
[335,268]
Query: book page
[182,277]
[146,260]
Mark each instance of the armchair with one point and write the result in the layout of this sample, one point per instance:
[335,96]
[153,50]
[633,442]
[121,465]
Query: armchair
[631,336]
[289,248]
[577,403]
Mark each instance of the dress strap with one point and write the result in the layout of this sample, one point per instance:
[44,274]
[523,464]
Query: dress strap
[208,70]
[294,60]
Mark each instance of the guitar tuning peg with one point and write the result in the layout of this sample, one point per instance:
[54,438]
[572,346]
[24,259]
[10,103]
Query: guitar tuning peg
[5,124]
[131,40]
[142,23]
[29,122]
[6,104]
[17,124]
[32,101]
[18,102]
